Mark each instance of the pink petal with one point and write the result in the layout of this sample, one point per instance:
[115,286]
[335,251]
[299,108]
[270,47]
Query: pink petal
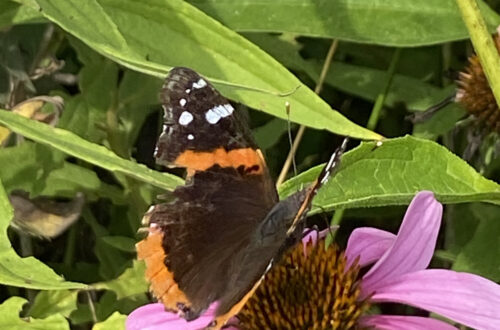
[465,298]
[396,322]
[369,244]
[314,236]
[414,246]
[154,317]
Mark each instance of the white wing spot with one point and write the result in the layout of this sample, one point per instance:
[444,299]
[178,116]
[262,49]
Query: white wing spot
[188,91]
[185,118]
[182,102]
[212,117]
[190,137]
[216,113]
[199,84]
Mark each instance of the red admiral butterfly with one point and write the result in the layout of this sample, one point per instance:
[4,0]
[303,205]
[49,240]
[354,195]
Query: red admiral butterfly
[226,225]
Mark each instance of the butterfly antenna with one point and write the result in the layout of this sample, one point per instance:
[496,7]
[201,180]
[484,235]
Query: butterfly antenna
[323,177]
[324,218]
[290,139]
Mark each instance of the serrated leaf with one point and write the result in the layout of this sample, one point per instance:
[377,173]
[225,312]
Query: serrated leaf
[9,318]
[117,31]
[74,145]
[383,22]
[392,173]
[116,322]
[48,303]
[24,272]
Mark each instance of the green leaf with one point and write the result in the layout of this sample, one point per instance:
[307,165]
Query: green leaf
[392,173]
[440,123]
[25,166]
[85,112]
[116,322]
[383,22]
[47,303]
[365,83]
[111,261]
[115,29]
[74,145]
[480,253]
[130,283]
[270,133]
[12,13]
[24,272]
[137,99]
[362,81]
[9,318]
[29,165]
[122,243]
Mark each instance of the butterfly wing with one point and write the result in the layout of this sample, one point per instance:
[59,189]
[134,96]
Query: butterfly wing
[195,240]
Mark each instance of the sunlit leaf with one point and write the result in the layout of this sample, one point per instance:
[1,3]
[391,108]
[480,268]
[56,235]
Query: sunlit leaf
[382,22]
[12,13]
[392,173]
[47,303]
[9,318]
[113,28]
[116,322]
[74,145]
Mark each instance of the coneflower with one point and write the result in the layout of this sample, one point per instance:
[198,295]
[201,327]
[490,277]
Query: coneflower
[475,95]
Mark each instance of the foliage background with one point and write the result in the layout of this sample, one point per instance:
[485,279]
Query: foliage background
[105,59]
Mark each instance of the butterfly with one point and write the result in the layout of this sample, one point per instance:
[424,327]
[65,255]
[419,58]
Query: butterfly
[225,227]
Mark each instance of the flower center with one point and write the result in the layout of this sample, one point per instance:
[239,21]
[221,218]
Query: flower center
[475,94]
[312,291]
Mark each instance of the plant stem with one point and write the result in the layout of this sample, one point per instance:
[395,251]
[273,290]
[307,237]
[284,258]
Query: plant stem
[336,220]
[302,128]
[379,102]
[483,43]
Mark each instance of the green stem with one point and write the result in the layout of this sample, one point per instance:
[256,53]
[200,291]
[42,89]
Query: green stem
[483,43]
[336,220]
[379,102]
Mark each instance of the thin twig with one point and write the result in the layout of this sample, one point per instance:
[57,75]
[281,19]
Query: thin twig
[302,128]
[379,102]
[91,307]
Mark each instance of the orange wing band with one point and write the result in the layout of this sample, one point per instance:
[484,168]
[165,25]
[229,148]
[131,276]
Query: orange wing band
[163,285]
[251,159]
